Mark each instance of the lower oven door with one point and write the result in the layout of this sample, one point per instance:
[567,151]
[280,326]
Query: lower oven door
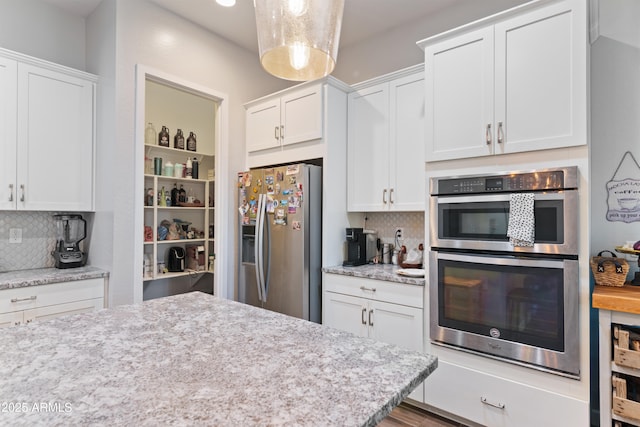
[522,310]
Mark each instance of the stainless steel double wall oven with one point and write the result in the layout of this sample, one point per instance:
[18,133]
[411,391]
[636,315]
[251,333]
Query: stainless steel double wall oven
[516,303]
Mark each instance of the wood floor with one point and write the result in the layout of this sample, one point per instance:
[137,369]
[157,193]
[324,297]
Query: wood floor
[405,415]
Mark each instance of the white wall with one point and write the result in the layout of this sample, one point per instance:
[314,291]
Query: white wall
[396,49]
[39,29]
[148,35]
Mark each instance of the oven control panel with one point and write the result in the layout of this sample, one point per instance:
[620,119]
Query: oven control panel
[511,183]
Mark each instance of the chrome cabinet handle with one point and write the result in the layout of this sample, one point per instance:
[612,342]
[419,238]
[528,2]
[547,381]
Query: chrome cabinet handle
[31,298]
[391,196]
[500,133]
[370,320]
[384,196]
[488,134]
[281,131]
[276,133]
[364,288]
[364,322]
[22,192]
[486,401]
[11,192]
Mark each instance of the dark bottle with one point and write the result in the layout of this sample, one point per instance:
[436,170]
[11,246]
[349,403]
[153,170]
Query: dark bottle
[175,193]
[182,195]
[178,140]
[191,142]
[163,137]
[194,168]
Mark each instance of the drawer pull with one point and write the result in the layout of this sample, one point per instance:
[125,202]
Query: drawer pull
[364,288]
[486,401]
[31,298]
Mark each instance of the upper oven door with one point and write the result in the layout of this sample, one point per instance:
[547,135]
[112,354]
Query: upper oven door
[480,223]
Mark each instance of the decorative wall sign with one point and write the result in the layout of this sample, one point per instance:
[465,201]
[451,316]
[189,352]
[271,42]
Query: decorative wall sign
[623,200]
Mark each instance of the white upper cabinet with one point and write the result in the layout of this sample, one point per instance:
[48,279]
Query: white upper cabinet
[386,144]
[292,117]
[47,121]
[519,84]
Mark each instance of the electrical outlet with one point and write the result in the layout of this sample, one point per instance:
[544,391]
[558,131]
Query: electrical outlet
[15,235]
[399,233]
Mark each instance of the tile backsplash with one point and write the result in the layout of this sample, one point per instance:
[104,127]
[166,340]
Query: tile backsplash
[38,240]
[385,224]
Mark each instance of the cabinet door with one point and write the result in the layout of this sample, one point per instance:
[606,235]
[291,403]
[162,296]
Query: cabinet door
[8,102]
[263,126]
[14,318]
[368,149]
[541,78]
[301,115]
[459,97]
[52,311]
[55,141]
[399,325]
[346,313]
[406,157]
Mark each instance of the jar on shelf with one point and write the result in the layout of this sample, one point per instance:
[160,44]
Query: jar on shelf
[150,134]
[163,137]
[178,140]
[191,142]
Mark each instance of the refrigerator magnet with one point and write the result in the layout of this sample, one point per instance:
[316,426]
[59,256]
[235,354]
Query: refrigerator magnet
[294,201]
[277,188]
[280,176]
[295,225]
[270,189]
[292,180]
[284,202]
[293,170]
[268,179]
[280,217]
[270,204]
[291,210]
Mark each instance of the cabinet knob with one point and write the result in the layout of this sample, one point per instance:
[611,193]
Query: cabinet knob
[488,134]
[364,322]
[500,133]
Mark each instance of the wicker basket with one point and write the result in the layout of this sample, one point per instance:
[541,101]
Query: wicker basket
[609,271]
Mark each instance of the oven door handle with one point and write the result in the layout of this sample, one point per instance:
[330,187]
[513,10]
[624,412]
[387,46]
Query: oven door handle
[504,197]
[497,260]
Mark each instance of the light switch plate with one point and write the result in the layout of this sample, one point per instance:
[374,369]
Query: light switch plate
[15,235]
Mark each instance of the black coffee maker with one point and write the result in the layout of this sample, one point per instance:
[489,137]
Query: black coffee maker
[356,247]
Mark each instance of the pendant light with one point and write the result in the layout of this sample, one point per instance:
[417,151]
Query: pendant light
[298,39]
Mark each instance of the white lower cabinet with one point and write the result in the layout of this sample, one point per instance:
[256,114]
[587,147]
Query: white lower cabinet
[24,305]
[493,401]
[385,311]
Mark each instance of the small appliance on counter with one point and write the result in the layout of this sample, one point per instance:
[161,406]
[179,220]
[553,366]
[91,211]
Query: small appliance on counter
[176,259]
[71,229]
[362,246]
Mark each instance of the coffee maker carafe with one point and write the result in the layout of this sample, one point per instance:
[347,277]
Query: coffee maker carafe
[71,229]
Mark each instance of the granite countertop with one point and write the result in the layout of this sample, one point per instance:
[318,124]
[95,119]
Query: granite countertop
[45,276]
[386,272]
[198,359]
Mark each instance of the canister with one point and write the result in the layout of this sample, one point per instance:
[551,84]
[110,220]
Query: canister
[178,170]
[168,169]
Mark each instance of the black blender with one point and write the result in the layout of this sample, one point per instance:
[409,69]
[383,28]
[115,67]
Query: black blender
[71,230]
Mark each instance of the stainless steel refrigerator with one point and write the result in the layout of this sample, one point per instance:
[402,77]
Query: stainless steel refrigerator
[280,210]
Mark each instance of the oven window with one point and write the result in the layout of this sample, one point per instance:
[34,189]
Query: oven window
[521,304]
[489,221]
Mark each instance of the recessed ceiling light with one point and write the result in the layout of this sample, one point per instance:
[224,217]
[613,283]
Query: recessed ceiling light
[226,3]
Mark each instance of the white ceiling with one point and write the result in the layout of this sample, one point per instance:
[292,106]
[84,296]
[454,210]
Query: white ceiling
[362,18]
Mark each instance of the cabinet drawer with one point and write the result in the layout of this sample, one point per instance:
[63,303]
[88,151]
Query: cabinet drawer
[378,290]
[57,293]
[493,401]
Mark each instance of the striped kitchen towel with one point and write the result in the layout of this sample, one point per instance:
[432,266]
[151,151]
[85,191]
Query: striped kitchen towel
[521,228]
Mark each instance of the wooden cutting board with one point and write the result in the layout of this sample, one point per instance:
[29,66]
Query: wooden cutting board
[617,298]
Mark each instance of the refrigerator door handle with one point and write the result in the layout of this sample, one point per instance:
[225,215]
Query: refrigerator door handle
[267,229]
[258,248]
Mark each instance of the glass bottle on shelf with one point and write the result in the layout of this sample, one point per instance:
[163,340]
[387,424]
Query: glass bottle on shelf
[194,168]
[189,169]
[174,195]
[178,140]
[163,137]
[162,198]
[182,195]
[150,134]
[191,142]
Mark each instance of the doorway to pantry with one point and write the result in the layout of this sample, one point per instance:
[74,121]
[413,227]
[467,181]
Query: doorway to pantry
[181,139]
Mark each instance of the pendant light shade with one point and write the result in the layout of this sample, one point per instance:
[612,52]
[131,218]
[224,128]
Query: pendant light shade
[298,39]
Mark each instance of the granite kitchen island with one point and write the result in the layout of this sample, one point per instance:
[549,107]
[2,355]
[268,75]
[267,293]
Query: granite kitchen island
[197,359]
